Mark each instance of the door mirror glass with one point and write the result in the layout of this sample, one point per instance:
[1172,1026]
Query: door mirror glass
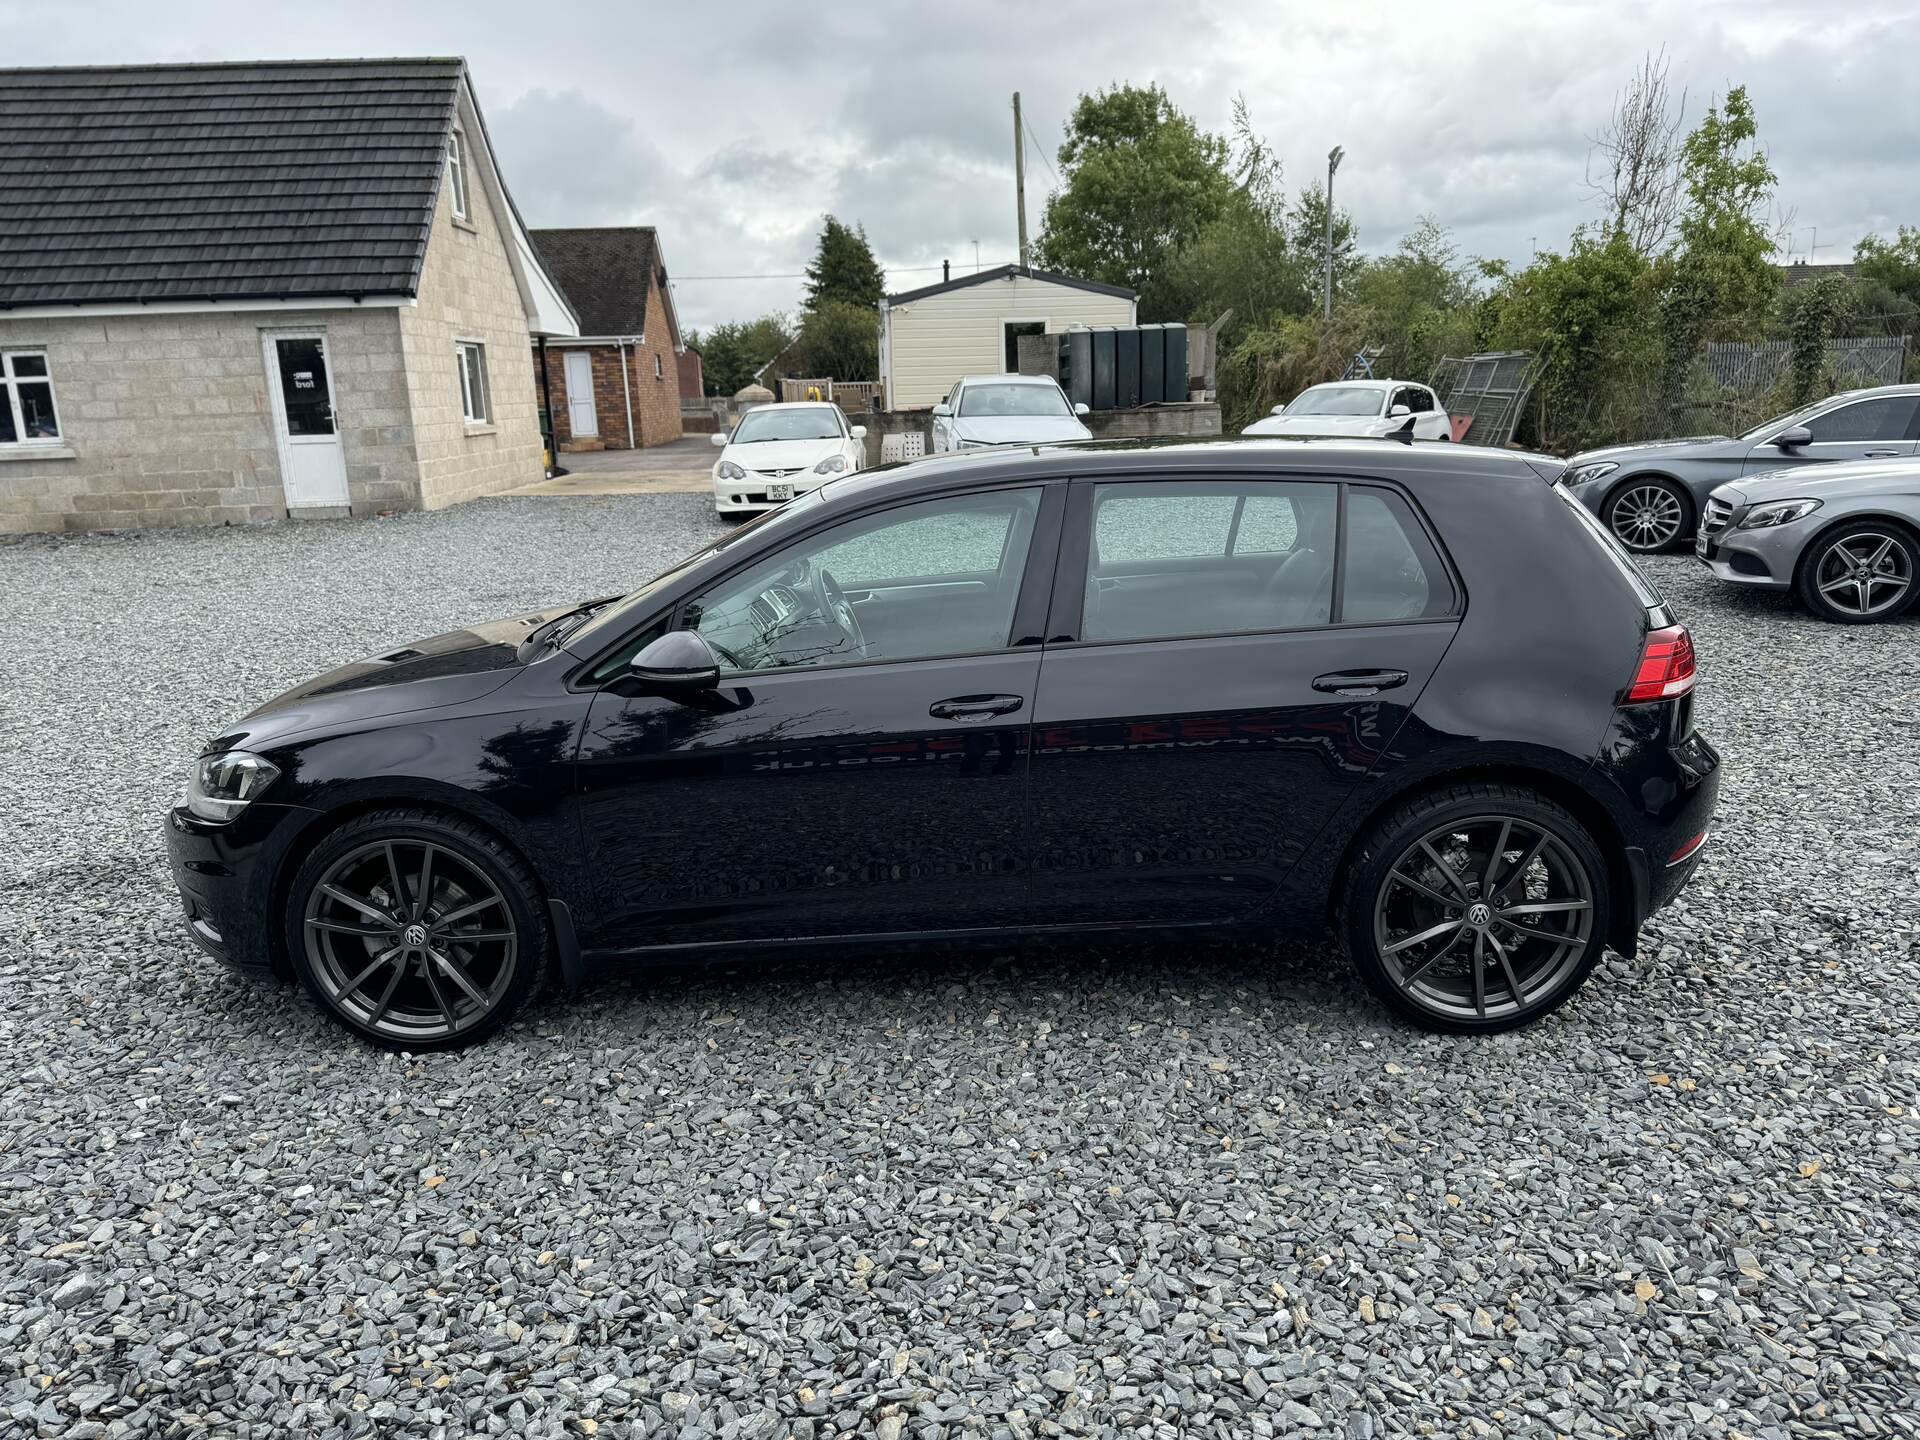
[1080,407]
[859,432]
[679,661]
[943,409]
[719,437]
[1792,436]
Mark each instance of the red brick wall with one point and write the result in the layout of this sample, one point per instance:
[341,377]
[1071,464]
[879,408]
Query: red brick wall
[655,398]
[693,380]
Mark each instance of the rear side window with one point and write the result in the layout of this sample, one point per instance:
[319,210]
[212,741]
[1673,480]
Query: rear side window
[1390,569]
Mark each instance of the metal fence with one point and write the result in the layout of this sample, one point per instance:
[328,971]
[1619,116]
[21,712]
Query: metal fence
[1855,364]
[1492,388]
[849,395]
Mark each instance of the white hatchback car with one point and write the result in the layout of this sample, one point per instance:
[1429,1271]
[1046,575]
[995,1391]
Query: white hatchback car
[779,451]
[1006,410]
[1358,407]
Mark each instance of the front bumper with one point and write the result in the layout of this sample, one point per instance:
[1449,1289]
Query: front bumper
[225,874]
[750,496]
[1760,559]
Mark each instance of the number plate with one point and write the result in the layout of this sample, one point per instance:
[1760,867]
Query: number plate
[780,492]
[1701,545]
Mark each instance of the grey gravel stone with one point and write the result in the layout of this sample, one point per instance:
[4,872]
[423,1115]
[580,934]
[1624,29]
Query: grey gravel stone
[1211,1188]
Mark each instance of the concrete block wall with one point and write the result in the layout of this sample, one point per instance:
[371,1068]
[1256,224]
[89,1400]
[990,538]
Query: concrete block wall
[168,419]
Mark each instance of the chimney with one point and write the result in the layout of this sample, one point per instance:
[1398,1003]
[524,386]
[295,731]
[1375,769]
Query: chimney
[946,271]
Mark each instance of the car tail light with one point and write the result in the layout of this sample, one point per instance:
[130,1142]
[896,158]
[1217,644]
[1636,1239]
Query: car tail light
[1666,667]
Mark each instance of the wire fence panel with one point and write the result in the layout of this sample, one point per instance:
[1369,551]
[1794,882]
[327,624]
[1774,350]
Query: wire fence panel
[1491,388]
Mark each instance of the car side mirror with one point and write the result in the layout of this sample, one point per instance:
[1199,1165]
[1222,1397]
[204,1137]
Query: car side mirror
[1792,437]
[678,662]
[719,437]
[1397,411]
[859,432]
[942,409]
[1080,407]
[1278,410]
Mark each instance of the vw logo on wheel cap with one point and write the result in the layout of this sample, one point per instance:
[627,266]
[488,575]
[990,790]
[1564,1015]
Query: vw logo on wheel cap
[414,935]
[1479,914]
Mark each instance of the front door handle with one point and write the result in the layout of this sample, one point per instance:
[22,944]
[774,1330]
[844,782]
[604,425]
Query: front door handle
[970,709]
[1357,683]
[1882,454]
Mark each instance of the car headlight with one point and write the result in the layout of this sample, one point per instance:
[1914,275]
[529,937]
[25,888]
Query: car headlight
[225,784]
[832,465]
[1778,512]
[1598,469]
[729,471]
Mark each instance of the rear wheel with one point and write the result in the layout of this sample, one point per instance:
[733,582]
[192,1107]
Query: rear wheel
[1477,908]
[416,930]
[1860,573]
[1649,514]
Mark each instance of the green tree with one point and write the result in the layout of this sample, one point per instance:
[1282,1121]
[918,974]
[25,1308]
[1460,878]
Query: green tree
[839,341]
[1814,311]
[1892,265]
[730,353]
[844,269]
[1139,180]
[1417,302]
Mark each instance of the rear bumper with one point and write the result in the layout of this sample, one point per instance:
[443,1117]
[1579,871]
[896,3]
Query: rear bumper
[1666,794]
[224,874]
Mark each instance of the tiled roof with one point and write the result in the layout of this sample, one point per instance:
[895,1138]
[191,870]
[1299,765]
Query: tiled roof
[603,273]
[220,182]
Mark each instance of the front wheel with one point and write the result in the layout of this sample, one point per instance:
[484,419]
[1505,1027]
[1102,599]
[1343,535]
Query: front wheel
[1478,908]
[417,930]
[1648,515]
[1859,573]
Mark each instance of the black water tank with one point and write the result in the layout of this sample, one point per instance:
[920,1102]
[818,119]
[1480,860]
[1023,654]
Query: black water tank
[1176,342]
[1103,364]
[1076,366]
[1126,367]
[1153,364]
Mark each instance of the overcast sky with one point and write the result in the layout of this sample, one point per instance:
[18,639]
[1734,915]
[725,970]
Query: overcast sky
[734,127]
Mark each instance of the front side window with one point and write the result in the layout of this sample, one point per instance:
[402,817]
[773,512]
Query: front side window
[940,577]
[1883,418]
[1337,400]
[474,398]
[27,416]
[1010,399]
[1209,558]
[810,422]
[1417,400]
[457,172]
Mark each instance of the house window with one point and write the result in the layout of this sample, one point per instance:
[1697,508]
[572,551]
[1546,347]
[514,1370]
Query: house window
[659,370]
[474,400]
[457,172]
[26,399]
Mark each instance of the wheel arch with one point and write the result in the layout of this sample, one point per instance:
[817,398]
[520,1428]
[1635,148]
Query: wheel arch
[1621,482]
[1904,523]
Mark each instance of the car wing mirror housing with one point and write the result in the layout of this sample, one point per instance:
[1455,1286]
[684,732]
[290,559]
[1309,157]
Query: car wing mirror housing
[1397,411]
[859,432]
[719,437]
[1080,407]
[943,409]
[677,663]
[1793,436]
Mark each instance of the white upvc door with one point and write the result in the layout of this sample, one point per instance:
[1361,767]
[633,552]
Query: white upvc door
[582,418]
[313,464]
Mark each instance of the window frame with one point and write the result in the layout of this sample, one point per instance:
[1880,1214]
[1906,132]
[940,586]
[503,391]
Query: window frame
[1071,572]
[458,189]
[1909,432]
[10,397]
[466,353]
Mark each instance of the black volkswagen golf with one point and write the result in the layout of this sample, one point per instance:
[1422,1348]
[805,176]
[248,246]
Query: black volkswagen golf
[1412,692]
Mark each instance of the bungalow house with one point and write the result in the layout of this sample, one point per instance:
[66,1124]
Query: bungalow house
[615,385]
[236,292]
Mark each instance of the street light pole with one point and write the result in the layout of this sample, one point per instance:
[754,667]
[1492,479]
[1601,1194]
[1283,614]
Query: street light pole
[1333,163]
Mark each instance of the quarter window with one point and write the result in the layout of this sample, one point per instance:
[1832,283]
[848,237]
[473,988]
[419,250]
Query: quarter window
[1391,570]
[457,172]
[27,414]
[940,577]
[475,400]
[1886,418]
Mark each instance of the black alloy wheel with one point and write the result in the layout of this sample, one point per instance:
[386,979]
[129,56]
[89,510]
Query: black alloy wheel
[419,931]
[1860,573]
[1479,908]
[1648,515]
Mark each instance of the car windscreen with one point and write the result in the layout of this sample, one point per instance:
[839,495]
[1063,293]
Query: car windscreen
[810,424]
[982,400]
[1336,400]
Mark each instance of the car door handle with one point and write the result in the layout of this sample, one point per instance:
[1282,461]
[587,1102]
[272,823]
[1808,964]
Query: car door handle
[1359,682]
[1883,454]
[969,709]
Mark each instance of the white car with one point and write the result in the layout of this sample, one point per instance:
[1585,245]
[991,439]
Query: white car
[779,451]
[1358,407]
[1005,410]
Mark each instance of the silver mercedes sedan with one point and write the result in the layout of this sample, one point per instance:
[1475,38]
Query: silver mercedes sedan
[1845,538]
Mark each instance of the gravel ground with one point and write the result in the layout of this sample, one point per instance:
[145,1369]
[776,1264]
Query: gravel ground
[1203,1191]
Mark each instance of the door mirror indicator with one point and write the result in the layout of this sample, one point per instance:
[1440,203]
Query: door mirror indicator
[678,662]
[1793,436]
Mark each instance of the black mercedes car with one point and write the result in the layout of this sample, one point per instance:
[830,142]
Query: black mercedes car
[1414,692]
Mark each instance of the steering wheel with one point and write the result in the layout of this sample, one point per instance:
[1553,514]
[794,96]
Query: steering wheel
[834,605]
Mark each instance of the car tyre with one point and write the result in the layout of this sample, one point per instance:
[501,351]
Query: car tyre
[1649,514]
[1417,935]
[1879,555]
[413,966]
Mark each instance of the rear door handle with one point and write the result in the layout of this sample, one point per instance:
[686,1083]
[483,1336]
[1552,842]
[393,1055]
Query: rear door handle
[1359,682]
[970,709]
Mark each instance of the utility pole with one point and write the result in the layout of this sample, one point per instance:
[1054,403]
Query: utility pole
[1333,163]
[1020,179]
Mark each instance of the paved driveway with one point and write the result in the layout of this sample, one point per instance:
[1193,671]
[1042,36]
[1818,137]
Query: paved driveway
[1200,1190]
[681,465]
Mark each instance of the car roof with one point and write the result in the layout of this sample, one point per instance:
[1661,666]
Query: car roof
[1193,458]
[1363,384]
[795,405]
[1008,380]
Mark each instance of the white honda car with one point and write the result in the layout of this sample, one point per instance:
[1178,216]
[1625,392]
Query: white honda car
[779,451]
[1358,407]
[1006,410]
